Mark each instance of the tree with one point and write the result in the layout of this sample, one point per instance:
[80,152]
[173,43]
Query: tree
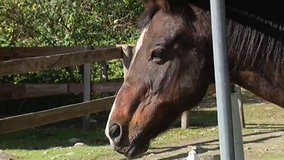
[38,23]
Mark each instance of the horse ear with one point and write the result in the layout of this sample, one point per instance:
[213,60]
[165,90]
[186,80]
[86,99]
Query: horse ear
[164,4]
[148,3]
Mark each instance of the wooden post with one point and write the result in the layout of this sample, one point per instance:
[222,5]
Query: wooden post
[185,120]
[104,69]
[127,57]
[87,90]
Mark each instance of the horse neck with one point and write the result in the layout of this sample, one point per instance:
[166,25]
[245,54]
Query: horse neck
[255,61]
[255,50]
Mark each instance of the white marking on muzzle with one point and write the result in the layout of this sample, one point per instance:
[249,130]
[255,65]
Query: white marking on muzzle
[137,48]
[107,125]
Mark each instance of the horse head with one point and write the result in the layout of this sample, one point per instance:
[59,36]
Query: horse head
[169,74]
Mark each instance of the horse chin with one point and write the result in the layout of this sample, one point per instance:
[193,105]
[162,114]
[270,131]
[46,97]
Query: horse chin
[135,151]
[141,144]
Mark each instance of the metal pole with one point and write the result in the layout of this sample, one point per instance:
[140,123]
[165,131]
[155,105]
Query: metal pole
[226,138]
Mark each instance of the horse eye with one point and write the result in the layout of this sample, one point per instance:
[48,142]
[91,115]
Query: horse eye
[157,55]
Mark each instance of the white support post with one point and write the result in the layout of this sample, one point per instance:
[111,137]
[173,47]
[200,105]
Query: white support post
[185,120]
[238,136]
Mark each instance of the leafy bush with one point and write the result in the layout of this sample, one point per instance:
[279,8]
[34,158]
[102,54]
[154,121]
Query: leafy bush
[38,23]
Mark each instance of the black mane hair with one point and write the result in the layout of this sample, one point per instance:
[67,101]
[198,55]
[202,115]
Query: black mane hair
[255,28]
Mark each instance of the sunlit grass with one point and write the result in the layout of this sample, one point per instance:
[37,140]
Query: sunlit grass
[53,143]
[273,156]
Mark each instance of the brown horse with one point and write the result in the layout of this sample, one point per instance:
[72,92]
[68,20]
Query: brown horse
[172,65]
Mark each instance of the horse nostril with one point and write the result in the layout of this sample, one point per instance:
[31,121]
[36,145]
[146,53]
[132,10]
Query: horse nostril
[114,132]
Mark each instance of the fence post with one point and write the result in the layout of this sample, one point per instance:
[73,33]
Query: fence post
[104,69]
[185,119]
[127,56]
[240,105]
[87,89]
[238,136]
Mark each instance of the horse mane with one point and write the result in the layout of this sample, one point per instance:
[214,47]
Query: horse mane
[255,29]
[256,34]
[147,16]
[178,7]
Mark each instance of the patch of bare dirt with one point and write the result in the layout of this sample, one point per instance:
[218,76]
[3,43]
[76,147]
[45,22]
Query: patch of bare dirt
[6,156]
[261,145]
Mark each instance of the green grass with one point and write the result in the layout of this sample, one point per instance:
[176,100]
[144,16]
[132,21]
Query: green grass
[33,143]
[85,153]
[42,144]
[34,139]
[272,156]
[264,114]
[48,143]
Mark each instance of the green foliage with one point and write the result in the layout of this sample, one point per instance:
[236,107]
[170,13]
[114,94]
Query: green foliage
[38,23]
[68,23]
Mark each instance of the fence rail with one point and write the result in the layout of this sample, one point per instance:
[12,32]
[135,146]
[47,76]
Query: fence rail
[8,53]
[20,91]
[22,60]
[41,63]
[30,120]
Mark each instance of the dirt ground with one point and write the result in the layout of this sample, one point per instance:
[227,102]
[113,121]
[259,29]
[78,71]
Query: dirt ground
[261,145]
[265,144]
[263,137]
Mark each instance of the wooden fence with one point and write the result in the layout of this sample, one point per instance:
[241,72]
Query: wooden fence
[20,91]
[22,60]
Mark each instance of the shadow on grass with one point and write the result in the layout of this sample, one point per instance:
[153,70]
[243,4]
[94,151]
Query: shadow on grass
[264,126]
[56,135]
[59,134]
[200,118]
[184,155]
[35,139]
[209,101]
[250,98]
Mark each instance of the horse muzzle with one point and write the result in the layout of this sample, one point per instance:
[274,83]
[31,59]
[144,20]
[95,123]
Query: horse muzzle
[119,141]
[134,151]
